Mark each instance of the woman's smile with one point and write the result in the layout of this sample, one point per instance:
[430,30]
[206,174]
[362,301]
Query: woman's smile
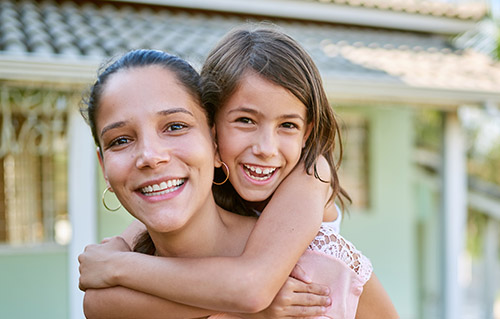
[158,153]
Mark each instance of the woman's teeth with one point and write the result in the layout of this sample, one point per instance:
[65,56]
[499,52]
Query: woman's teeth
[162,188]
[259,173]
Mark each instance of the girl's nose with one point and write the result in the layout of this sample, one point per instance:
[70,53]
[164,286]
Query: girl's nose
[266,144]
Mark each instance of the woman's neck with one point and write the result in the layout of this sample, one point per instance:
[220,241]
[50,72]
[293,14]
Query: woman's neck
[211,232]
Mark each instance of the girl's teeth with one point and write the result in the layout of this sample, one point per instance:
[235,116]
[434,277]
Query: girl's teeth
[258,170]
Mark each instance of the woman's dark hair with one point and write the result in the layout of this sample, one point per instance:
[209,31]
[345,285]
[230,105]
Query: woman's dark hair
[278,58]
[185,73]
[186,76]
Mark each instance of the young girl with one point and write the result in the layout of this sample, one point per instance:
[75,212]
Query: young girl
[296,124]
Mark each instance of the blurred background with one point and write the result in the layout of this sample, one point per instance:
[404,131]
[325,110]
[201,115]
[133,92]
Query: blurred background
[415,85]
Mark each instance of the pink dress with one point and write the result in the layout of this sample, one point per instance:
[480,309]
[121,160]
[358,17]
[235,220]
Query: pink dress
[332,260]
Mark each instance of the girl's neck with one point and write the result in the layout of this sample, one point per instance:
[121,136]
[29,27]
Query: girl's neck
[258,206]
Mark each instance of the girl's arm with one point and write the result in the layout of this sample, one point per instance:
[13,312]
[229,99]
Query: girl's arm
[374,302]
[247,283]
[123,303]
[295,299]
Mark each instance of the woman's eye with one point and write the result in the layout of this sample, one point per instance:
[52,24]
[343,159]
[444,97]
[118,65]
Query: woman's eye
[119,141]
[176,126]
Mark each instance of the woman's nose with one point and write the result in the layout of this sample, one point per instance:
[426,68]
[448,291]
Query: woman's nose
[152,153]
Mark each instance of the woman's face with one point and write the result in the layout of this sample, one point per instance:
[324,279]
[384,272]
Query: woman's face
[260,133]
[158,154]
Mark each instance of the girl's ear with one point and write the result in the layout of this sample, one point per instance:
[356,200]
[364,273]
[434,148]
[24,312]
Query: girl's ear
[101,163]
[306,135]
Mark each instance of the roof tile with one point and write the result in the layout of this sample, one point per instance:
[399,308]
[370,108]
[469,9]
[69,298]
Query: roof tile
[80,31]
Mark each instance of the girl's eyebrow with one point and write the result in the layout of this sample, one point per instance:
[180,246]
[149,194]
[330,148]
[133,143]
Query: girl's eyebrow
[244,109]
[254,111]
[163,113]
[292,116]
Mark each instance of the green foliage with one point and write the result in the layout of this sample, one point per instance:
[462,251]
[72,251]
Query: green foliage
[486,168]
[496,52]
[476,225]
[429,129]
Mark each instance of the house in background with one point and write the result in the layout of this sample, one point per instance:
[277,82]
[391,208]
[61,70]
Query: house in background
[382,63]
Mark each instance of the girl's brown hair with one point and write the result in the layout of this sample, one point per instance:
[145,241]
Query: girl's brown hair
[280,59]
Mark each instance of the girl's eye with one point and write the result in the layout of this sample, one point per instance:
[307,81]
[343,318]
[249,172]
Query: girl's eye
[289,125]
[244,120]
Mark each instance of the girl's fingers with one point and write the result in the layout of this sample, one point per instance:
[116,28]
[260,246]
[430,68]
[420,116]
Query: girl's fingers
[308,300]
[306,312]
[300,274]
[105,240]
[312,288]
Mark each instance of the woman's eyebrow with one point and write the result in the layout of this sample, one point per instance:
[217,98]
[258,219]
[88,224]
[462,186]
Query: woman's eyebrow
[175,110]
[162,112]
[112,126]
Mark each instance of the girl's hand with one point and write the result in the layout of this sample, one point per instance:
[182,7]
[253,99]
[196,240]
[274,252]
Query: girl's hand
[297,299]
[96,269]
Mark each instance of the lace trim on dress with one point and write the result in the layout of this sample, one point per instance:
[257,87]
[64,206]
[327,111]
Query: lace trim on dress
[330,243]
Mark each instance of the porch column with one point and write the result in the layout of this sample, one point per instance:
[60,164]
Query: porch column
[82,203]
[490,243]
[454,175]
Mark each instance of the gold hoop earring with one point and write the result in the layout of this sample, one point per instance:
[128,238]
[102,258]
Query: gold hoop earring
[104,201]
[227,175]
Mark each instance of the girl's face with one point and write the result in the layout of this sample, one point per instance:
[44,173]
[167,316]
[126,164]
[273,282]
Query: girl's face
[260,133]
[158,153]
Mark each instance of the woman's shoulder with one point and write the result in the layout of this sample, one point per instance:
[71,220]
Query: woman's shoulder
[328,242]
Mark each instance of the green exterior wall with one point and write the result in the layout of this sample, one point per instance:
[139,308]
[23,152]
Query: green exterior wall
[386,231]
[34,283]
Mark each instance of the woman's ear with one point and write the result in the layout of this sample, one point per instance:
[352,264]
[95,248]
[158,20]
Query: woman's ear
[217,159]
[101,163]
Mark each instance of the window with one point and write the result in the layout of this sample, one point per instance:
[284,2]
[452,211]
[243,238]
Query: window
[354,170]
[33,165]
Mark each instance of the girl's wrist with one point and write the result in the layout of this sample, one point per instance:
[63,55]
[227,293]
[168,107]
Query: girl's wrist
[118,268]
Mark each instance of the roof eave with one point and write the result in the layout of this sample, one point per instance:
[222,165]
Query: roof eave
[326,12]
[71,71]
[49,69]
[356,91]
